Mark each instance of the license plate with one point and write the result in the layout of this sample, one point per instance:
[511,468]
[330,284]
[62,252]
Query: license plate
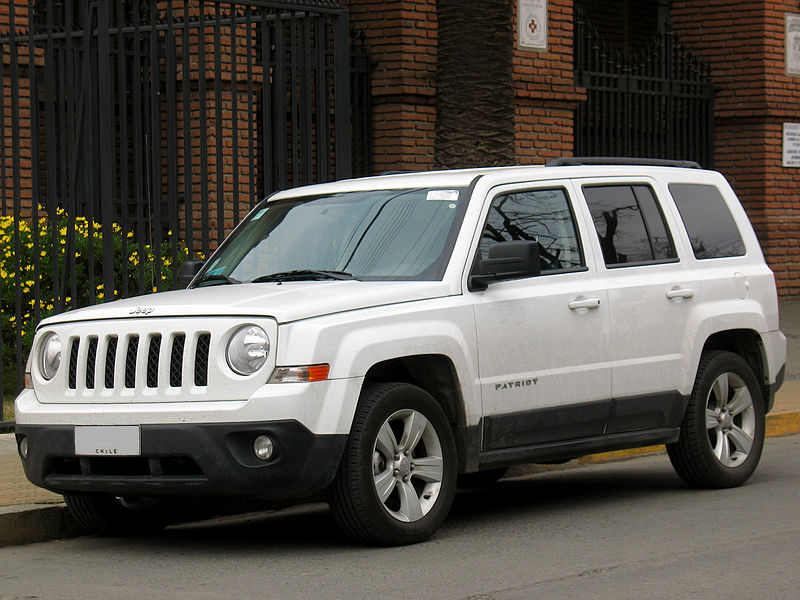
[117,440]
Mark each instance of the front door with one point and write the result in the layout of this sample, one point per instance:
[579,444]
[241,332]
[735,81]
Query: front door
[542,340]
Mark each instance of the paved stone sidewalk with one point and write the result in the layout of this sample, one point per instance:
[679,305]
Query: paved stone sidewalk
[16,489]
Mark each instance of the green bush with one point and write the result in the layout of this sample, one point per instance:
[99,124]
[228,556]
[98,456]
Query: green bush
[40,258]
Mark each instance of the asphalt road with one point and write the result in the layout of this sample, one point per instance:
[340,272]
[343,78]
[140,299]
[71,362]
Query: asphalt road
[621,530]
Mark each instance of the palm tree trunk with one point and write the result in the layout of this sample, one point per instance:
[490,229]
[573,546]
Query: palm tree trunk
[474,84]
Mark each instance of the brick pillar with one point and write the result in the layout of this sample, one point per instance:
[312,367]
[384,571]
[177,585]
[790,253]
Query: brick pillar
[401,37]
[546,94]
[744,42]
[15,110]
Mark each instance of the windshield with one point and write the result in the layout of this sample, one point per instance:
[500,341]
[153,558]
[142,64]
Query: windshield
[371,235]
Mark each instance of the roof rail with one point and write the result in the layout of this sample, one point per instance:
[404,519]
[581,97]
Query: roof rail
[571,161]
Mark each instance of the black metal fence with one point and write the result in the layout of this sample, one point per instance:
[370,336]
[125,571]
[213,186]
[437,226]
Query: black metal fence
[655,102]
[135,133]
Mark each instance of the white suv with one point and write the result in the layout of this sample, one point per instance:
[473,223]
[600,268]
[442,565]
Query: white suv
[377,338]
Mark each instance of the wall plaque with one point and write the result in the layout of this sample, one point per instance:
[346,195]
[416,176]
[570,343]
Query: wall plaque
[792,44]
[532,16]
[791,144]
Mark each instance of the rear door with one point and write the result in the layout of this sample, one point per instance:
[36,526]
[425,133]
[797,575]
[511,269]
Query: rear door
[650,293]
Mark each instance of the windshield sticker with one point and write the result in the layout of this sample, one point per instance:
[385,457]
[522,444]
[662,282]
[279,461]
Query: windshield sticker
[446,195]
[259,214]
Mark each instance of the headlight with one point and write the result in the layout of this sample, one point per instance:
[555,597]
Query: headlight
[248,349]
[50,357]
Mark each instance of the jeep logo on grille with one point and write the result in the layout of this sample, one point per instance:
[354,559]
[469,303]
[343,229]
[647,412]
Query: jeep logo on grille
[141,310]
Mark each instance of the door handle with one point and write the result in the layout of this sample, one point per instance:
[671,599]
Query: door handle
[677,292]
[584,303]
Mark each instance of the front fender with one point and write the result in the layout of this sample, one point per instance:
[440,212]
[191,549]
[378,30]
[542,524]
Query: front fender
[351,343]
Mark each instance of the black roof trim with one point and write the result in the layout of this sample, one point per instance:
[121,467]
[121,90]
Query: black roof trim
[571,161]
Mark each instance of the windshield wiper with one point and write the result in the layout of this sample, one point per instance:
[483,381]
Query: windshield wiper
[217,280]
[303,274]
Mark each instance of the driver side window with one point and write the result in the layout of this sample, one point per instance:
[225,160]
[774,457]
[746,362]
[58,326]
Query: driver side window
[543,216]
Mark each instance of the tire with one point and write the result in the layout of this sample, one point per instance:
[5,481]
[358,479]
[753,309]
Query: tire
[481,479]
[722,434]
[397,478]
[108,515]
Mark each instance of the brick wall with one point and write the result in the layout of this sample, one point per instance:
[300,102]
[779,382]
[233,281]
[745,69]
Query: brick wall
[743,41]
[546,94]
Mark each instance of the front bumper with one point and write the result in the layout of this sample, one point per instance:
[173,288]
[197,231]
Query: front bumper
[189,459]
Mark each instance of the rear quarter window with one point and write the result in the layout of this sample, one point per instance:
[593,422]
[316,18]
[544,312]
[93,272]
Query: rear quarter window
[708,221]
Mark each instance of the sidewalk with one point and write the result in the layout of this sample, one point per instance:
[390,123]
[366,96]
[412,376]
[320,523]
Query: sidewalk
[29,514]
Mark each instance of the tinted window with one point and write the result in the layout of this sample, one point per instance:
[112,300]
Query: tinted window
[629,224]
[540,215]
[708,221]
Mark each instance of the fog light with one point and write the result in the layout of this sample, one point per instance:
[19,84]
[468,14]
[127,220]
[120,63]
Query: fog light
[23,448]
[263,447]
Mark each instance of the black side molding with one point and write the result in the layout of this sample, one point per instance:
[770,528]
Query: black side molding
[567,450]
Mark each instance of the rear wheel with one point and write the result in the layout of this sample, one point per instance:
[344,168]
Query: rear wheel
[722,434]
[109,515]
[397,478]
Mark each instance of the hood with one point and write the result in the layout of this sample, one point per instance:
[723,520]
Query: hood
[285,301]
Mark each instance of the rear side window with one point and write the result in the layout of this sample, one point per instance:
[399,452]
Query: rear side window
[708,220]
[629,225]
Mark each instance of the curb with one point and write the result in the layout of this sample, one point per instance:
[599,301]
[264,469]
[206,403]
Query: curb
[31,523]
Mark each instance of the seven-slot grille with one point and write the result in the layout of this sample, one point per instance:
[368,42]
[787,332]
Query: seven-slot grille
[116,361]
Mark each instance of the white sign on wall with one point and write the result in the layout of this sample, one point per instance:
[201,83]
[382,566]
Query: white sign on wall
[793,44]
[791,144]
[532,15]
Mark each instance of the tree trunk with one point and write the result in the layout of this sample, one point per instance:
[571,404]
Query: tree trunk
[474,84]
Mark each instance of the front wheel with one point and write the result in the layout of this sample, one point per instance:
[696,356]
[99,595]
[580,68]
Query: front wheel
[722,434]
[397,478]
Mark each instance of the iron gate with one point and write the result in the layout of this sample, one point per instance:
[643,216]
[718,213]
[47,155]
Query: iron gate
[135,133]
[656,102]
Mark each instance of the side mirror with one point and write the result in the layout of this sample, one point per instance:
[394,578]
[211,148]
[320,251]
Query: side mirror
[187,271]
[507,260]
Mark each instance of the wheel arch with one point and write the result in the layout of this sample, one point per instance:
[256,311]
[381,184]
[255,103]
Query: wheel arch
[748,344]
[437,375]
